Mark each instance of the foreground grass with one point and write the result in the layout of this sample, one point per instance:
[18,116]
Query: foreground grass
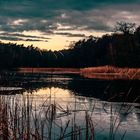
[24,121]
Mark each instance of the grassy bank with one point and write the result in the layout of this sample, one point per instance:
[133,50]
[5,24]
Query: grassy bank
[110,72]
[102,72]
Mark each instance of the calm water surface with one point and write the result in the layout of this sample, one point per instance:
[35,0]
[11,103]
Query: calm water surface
[79,95]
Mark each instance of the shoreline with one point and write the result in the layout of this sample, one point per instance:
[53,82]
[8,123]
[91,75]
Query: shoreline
[102,72]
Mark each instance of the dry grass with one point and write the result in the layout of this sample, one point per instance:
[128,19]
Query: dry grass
[23,121]
[49,70]
[110,72]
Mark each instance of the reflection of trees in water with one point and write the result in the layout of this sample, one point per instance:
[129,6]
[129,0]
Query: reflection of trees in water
[116,90]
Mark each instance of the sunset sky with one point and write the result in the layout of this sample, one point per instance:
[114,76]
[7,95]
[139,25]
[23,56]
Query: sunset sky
[54,24]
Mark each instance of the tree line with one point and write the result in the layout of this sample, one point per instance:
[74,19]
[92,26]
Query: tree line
[121,49]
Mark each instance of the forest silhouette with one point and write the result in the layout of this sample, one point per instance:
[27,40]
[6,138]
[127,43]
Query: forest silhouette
[120,49]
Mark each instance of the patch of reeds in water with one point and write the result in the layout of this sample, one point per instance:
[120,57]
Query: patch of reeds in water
[23,120]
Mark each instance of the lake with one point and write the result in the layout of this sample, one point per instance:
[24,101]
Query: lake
[111,106]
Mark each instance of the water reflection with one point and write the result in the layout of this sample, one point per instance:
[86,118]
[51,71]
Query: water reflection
[103,113]
[75,96]
[112,90]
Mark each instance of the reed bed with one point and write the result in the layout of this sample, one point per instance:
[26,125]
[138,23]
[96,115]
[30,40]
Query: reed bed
[23,120]
[110,72]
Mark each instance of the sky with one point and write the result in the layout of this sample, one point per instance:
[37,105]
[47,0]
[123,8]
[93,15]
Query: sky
[54,24]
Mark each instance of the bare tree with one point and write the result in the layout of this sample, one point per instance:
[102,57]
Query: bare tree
[125,27]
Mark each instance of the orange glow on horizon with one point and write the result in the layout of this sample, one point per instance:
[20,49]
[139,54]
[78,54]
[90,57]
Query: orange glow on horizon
[54,41]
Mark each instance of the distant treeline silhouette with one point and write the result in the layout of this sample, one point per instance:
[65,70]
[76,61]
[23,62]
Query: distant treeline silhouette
[121,49]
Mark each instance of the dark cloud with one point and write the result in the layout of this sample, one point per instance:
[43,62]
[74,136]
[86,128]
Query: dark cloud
[70,34]
[44,16]
[13,38]
[48,8]
[10,38]
[22,35]
[35,40]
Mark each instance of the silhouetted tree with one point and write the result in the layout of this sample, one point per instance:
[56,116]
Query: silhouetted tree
[125,27]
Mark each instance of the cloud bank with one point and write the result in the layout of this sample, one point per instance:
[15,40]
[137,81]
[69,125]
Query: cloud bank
[63,17]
